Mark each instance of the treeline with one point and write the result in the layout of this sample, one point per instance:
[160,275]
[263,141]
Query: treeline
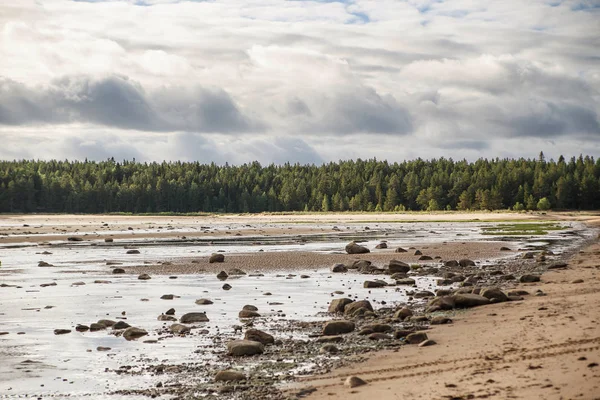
[371,185]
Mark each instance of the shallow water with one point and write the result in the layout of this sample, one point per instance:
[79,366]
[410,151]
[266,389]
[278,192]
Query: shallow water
[62,365]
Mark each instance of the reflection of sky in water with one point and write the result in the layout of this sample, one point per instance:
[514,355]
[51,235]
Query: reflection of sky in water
[66,354]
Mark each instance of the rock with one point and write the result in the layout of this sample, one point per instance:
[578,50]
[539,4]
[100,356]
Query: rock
[61,331]
[121,325]
[338,327]
[329,349]
[451,264]
[465,262]
[144,277]
[353,248]
[216,258]
[170,311]
[203,302]
[102,348]
[48,284]
[82,328]
[96,327]
[229,375]
[398,275]
[337,305]
[527,278]
[403,313]
[339,268]
[361,265]
[400,250]
[259,336]
[396,266]
[528,256]
[167,297]
[441,303]
[106,322]
[164,317]
[118,271]
[406,281]
[494,294]
[418,253]
[222,275]
[74,239]
[577,281]
[467,300]
[355,305]
[134,333]
[518,293]
[374,284]
[226,286]
[402,333]
[250,307]
[239,348]
[193,317]
[304,276]
[379,336]
[440,320]
[108,240]
[236,272]
[354,381]
[416,337]
[330,339]
[504,248]
[365,331]
[425,258]
[444,282]
[133,251]
[426,343]
[382,245]
[248,314]
[418,319]
[44,264]
[179,329]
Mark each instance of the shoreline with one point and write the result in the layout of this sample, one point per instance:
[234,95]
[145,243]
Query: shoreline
[543,347]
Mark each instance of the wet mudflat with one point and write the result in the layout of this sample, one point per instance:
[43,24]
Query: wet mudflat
[79,288]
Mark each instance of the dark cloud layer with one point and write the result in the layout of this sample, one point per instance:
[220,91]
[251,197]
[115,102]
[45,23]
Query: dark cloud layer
[118,102]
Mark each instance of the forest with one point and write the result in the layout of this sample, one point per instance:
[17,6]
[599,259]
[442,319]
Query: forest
[28,186]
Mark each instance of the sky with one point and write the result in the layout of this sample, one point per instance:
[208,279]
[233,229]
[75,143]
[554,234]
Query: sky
[298,81]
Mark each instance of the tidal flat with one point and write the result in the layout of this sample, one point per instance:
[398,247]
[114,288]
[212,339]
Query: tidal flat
[60,274]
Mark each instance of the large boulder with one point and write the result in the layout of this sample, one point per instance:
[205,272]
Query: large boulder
[467,300]
[354,248]
[338,327]
[527,278]
[465,262]
[398,266]
[374,284]
[494,294]
[337,305]
[351,308]
[403,313]
[193,317]
[255,335]
[133,333]
[339,268]
[239,348]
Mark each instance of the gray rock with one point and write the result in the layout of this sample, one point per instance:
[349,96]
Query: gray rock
[61,331]
[229,375]
[494,294]
[203,302]
[133,251]
[179,329]
[355,305]
[240,348]
[374,284]
[193,317]
[216,258]
[134,333]
[396,266]
[248,314]
[338,327]
[339,268]
[527,278]
[222,275]
[144,277]
[121,325]
[403,313]
[416,337]
[354,381]
[259,336]
[354,248]
[465,262]
[338,305]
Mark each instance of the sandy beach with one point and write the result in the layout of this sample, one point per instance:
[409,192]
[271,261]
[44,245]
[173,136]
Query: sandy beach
[545,347]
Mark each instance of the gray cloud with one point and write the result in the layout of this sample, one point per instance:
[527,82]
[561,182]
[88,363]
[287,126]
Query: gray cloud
[118,102]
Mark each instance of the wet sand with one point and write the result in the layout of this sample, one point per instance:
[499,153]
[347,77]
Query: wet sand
[546,347]
[298,260]
[41,228]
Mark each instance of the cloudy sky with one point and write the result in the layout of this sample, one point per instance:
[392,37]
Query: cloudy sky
[298,81]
